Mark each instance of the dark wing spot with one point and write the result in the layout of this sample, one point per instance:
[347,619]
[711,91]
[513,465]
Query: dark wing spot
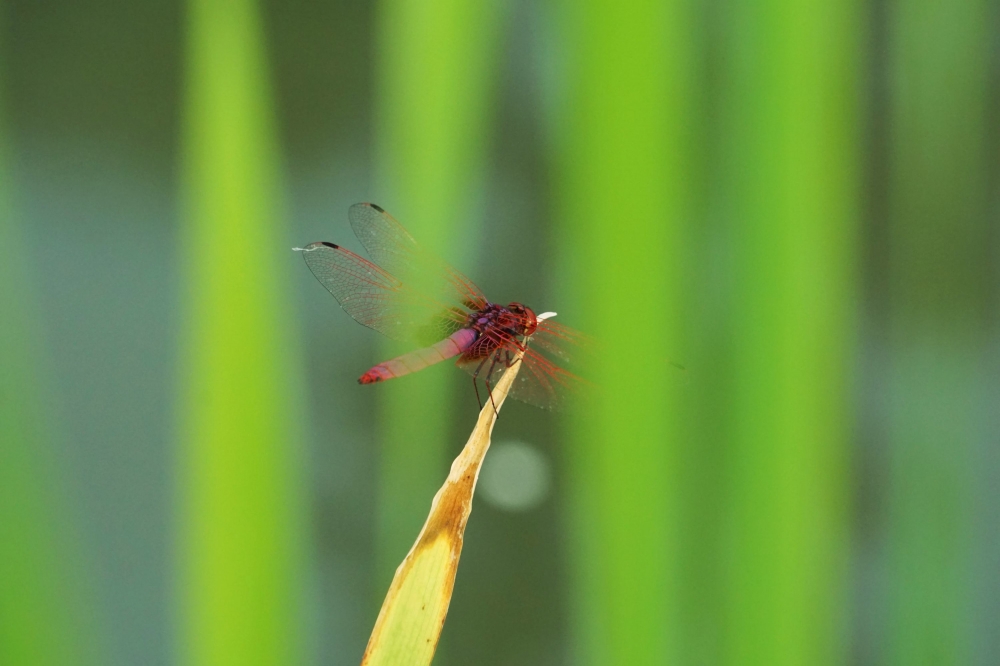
[335,247]
[377,207]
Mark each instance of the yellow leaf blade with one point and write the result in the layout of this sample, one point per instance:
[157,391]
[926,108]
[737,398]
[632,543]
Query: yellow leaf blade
[414,610]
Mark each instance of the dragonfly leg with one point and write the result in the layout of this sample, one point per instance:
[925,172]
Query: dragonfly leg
[475,385]
[489,389]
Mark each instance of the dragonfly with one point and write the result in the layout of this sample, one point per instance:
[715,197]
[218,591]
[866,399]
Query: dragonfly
[409,294]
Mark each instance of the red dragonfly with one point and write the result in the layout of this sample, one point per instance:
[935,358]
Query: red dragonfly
[409,294]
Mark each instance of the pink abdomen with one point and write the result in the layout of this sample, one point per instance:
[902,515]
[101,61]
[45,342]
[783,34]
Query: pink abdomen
[453,345]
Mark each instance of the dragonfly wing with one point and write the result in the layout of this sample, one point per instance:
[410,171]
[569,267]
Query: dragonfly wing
[544,384]
[577,351]
[568,346]
[376,299]
[394,249]
[555,354]
[540,382]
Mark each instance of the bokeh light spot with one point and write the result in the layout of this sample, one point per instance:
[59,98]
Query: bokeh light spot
[515,477]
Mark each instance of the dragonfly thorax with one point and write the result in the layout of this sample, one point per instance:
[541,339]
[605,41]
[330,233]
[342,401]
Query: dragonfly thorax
[514,319]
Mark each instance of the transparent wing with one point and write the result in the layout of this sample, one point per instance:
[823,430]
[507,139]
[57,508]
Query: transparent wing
[578,352]
[375,298]
[545,384]
[394,249]
[541,382]
[567,346]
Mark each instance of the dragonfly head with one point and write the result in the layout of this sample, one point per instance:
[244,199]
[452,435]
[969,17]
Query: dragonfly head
[525,322]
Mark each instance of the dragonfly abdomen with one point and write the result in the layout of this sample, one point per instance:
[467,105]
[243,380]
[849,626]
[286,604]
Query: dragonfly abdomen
[453,345]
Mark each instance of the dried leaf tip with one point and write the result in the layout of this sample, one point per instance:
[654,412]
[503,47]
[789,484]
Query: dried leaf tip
[414,611]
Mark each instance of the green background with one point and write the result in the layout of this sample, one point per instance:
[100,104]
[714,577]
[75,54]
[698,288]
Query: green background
[795,200]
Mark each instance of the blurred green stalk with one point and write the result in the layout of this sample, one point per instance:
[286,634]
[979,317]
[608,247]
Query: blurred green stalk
[436,64]
[790,95]
[624,195]
[240,487]
[44,618]
[940,289]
